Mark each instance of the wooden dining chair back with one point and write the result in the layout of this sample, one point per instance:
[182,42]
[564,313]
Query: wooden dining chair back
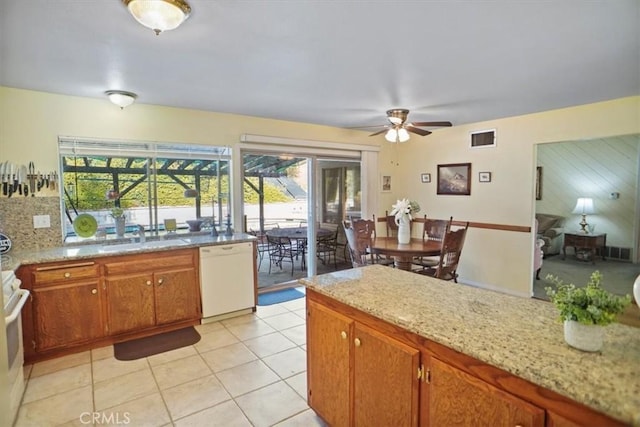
[452,244]
[359,233]
[433,230]
[388,223]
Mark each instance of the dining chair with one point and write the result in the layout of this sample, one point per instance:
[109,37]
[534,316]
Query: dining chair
[433,230]
[262,246]
[359,235]
[281,249]
[452,244]
[327,246]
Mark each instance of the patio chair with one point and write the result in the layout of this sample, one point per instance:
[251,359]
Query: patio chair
[327,246]
[281,249]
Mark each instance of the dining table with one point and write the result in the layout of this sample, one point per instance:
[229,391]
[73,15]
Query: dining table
[404,253]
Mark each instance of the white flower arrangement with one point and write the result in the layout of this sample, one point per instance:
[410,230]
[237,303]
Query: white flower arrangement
[405,207]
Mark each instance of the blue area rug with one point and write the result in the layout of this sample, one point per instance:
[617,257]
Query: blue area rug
[276,297]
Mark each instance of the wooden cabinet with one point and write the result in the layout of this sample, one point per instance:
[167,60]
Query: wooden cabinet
[381,387]
[151,289]
[593,242]
[130,303]
[452,397]
[90,303]
[67,305]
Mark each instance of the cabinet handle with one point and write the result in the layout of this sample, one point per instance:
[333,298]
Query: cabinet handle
[343,334]
[94,291]
[357,342]
[148,282]
[67,274]
[160,281]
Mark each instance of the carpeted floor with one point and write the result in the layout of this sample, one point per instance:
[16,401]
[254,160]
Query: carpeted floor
[618,277]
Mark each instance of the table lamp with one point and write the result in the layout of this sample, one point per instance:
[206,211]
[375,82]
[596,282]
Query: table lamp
[583,207]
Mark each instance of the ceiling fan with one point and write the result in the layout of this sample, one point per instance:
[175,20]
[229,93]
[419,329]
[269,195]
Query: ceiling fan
[398,128]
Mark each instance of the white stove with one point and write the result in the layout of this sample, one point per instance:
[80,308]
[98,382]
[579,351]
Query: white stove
[12,358]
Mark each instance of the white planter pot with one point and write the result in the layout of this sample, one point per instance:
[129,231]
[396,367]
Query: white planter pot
[583,337]
[636,290]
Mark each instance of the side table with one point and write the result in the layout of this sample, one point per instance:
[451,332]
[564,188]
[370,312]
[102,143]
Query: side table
[585,241]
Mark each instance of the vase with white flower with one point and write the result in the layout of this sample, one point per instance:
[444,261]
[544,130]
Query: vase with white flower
[403,210]
[117,213]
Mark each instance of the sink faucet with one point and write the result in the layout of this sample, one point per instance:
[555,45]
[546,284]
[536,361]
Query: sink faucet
[139,233]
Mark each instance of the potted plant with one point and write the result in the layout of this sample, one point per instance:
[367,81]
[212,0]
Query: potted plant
[585,310]
[117,214]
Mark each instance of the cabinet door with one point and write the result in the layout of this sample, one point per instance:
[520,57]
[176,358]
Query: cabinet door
[329,335]
[455,398]
[66,314]
[130,303]
[386,381]
[177,296]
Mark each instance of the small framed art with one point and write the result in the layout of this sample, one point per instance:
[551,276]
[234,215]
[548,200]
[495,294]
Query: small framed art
[484,176]
[454,179]
[385,183]
[425,178]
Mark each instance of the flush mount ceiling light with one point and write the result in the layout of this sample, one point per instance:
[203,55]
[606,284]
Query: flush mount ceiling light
[159,15]
[121,98]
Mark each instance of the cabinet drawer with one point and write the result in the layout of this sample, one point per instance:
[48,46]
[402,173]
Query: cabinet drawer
[67,272]
[153,261]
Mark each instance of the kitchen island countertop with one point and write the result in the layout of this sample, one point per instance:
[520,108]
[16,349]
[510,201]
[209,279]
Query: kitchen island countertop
[82,251]
[519,335]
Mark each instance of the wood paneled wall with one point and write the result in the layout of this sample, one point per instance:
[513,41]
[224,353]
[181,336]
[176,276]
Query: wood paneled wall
[593,168]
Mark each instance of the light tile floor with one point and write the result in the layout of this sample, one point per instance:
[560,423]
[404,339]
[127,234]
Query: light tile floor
[245,371]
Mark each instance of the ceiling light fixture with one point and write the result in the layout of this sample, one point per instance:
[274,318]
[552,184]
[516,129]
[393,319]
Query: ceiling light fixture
[159,15]
[397,135]
[121,98]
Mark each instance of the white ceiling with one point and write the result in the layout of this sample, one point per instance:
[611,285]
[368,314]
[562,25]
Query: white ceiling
[339,63]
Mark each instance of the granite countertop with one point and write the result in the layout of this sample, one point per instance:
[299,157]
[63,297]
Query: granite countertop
[66,253]
[519,335]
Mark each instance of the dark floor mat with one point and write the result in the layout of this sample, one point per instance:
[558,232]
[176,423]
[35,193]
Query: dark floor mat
[148,346]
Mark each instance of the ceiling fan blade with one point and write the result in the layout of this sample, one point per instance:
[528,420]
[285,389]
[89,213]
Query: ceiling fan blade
[430,124]
[419,131]
[379,132]
[365,127]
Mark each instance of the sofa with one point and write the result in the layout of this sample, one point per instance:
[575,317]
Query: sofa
[551,230]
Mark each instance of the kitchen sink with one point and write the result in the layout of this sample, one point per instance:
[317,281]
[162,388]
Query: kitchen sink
[152,244]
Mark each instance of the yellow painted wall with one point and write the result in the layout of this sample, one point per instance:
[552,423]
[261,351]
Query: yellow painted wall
[30,123]
[499,259]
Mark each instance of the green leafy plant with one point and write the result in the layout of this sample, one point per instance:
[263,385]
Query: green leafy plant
[589,305]
[117,213]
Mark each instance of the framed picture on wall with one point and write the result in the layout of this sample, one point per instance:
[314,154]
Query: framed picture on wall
[425,177]
[454,179]
[385,183]
[484,176]
[539,183]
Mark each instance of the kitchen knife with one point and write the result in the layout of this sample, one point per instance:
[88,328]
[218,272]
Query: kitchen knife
[25,179]
[14,171]
[10,180]
[32,178]
[19,175]
[3,172]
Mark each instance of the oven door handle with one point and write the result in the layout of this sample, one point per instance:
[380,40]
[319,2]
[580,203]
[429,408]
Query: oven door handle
[24,296]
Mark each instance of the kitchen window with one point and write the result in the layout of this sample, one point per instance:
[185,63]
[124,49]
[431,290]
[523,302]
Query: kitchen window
[157,186]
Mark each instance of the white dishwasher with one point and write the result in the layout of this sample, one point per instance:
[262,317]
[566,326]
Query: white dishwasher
[227,279]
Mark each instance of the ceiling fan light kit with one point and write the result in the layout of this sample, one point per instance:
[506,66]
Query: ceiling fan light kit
[398,128]
[159,15]
[121,98]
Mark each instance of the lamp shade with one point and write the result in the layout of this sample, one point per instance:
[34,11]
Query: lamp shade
[159,15]
[397,135]
[584,206]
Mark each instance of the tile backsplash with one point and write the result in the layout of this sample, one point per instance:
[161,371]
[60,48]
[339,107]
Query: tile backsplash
[16,221]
